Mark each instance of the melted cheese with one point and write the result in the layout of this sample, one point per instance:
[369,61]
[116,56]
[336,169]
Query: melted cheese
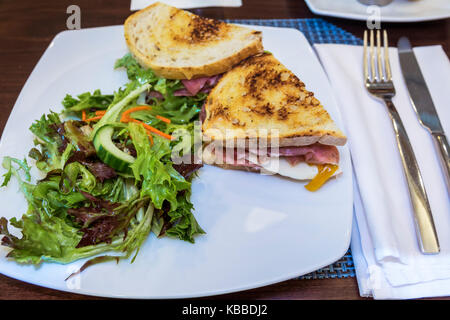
[326,171]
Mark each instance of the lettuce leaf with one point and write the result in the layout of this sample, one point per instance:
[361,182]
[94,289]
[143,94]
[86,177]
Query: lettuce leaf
[54,150]
[25,186]
[184,224]
[134,71]
[50,234]
[161,182]
[87,100]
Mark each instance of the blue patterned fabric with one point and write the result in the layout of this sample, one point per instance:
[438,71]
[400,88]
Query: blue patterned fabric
[317,31]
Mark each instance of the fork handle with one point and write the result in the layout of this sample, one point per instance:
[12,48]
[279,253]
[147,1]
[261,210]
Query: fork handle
[444,155]
[425,229]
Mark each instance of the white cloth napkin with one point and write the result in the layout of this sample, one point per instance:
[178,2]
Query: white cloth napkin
[387,258]
[186,4]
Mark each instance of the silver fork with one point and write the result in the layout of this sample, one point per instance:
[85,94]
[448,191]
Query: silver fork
[378,81]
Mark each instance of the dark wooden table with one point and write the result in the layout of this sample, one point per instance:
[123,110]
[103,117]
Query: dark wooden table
[28,26]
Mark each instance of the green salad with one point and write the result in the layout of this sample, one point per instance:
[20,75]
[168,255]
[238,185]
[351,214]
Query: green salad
[108,175]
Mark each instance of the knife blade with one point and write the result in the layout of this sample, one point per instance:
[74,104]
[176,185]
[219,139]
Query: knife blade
[417,88]
[423,103]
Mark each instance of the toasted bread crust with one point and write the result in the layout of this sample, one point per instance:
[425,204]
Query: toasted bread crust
[177,44]
[261,94]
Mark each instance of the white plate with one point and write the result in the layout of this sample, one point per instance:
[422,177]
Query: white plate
[396,11]
[260,229]
[183,4]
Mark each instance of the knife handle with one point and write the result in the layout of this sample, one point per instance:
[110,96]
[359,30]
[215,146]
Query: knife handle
[444,155]
[425,229]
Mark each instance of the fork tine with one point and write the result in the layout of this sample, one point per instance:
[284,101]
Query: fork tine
[373,71]
[387,64]
[366,67]
[379,62]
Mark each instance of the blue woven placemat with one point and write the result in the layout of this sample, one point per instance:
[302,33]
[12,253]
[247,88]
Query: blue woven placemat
[317,31]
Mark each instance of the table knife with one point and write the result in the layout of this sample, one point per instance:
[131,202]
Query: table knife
[423,104]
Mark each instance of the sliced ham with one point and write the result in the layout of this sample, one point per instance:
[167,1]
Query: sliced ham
[155,94]
[237,158]
[211,82]
[293,161]
[234,158]
[191,88]
[194,86]
[315,154]
[182,93]
[202,114]
[186,93]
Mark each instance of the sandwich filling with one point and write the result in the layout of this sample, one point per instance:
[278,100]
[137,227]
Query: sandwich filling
[316,162]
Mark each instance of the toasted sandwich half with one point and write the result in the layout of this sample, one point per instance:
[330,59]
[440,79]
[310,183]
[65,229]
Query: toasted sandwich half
[260,117]
[177,44]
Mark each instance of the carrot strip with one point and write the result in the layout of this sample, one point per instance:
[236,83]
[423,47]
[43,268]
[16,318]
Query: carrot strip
[94,118]
[126,113]
[154,130]
[150,137]
[158,132]
[125,118]
[100,112]
[83,115]
[163,119]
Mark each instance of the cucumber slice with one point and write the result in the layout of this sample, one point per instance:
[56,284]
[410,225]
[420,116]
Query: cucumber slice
[113,111]
[108,152]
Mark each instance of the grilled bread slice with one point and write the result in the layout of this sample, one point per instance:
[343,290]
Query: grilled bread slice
[177,44]
[261,94]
